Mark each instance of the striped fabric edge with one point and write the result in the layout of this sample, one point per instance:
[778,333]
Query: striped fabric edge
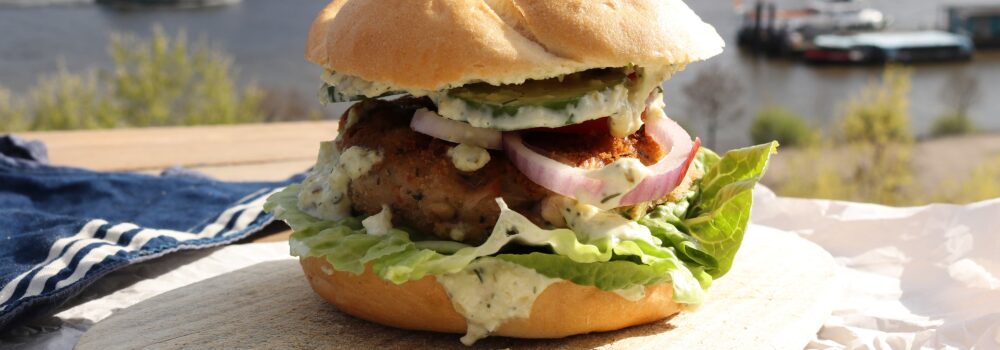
[72,260]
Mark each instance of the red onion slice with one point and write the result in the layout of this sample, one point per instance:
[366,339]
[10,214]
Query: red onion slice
[578,183]
[670,170]
[547,172]
[431,124]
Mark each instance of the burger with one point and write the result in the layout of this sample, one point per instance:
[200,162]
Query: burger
[509,168]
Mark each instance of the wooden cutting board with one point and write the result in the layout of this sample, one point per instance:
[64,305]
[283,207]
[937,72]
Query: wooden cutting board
[777,296]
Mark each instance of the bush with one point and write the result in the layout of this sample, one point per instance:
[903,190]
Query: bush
[71,101]
[982,184]
[879,115]
[788,128]
[875,129]
[811,173]
[164,82]
[11,115]
[951,125]
[872,160]
[158,82]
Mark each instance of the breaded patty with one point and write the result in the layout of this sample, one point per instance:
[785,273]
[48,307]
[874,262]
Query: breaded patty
[425,191]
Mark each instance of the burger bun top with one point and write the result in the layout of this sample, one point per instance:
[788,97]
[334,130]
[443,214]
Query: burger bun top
[432,45]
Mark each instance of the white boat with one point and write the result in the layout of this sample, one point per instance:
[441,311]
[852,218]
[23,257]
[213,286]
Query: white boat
[791,30]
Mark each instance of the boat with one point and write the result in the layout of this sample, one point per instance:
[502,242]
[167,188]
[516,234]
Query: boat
[158,4]
[790,31]
[883,47]
[980,22]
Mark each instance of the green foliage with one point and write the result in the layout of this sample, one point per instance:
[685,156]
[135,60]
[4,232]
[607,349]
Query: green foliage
[879,114]
[951,125]
[983,183]
[782,125]
[720,214]
[810,173]
[871,160]
[166,82]
[66,100]
[162,81]
[876,131]
[11,115]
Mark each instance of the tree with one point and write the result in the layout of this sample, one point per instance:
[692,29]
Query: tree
[780,124]
[715,97]
[876,129]
[961,92]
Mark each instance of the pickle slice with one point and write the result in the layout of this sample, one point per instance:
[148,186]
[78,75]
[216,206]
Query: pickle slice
[329,93]
[553,93]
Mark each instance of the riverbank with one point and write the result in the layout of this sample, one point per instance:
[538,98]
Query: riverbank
[940,167]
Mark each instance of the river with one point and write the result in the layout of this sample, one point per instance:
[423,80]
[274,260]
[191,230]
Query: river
[266,39]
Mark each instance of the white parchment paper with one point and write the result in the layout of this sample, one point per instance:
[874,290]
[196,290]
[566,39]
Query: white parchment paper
[914,278]
[922,277]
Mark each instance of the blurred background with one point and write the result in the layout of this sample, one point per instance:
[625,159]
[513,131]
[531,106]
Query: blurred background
[878,101]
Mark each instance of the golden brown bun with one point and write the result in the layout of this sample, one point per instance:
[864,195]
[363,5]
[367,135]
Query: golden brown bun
[431,45]
[563,309]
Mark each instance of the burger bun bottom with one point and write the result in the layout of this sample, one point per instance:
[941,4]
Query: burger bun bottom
[562,309]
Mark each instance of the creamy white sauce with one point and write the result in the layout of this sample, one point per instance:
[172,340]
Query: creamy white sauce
[298,248]
[353,86]
[591,224]
[633,293]
[491,291]
[457,233]
[378,224]
[624,103]
[468,158]
[595,105]
[619,178]
[655,108]
[628,119]
[324,192]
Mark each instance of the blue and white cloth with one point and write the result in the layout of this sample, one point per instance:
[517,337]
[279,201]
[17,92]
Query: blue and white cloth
[63,228]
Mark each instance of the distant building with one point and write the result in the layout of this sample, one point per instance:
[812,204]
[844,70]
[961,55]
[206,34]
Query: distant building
[980,22]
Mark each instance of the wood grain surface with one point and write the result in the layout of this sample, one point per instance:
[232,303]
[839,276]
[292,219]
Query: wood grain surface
[229,152]
[777,296]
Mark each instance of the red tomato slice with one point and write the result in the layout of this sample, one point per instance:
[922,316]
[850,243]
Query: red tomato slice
[587,127]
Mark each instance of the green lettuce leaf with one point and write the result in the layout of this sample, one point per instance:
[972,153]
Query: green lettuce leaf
[695,238]
[396,258]
[720,213]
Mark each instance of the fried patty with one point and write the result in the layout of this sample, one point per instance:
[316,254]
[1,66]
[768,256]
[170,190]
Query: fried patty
[427,194]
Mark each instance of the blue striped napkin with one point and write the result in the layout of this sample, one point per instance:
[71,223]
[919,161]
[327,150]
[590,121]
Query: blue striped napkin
[63,228]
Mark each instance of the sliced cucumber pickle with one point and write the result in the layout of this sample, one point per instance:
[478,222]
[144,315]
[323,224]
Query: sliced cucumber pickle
[330,94]
[554,93]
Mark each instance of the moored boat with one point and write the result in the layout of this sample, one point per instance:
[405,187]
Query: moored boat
[882,47]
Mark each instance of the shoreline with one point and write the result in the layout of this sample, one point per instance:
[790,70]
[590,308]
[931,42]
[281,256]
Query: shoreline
[937,163]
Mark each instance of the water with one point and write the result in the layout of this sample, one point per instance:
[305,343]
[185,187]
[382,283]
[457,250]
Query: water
[266,38]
